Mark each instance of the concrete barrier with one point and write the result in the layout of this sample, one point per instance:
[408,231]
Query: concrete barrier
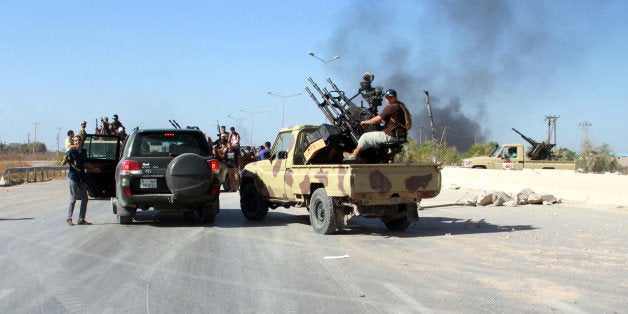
[570,186]
[31,174]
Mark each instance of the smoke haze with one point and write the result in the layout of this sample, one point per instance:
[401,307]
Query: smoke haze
[459,51]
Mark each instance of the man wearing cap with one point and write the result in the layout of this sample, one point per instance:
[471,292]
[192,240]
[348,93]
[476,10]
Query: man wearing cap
[81,131]
[115,125]
[392,111]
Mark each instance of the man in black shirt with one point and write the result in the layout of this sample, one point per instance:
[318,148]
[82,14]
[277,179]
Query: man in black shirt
[76,157]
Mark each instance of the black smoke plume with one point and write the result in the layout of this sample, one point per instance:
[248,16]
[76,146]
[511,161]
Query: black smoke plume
[459,51]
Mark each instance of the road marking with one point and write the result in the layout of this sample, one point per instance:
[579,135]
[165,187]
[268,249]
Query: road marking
[407,298]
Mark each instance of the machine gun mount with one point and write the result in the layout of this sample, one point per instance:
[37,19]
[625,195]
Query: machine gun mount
[344,130]
[539,151]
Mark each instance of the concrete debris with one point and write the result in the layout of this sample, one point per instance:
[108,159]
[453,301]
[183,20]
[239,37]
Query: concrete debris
[535,199]
[522,197]
[485,198]
[498,198]
[549,199]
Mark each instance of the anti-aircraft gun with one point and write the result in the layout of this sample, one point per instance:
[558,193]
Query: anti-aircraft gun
[342,134]
[539,151]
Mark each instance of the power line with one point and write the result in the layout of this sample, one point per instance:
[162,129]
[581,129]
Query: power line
[551,127]
[584,126]
[36,123]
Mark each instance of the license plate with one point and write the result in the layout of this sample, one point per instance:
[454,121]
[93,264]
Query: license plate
[148,183]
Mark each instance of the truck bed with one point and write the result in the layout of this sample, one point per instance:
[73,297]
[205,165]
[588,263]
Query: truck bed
[370,181]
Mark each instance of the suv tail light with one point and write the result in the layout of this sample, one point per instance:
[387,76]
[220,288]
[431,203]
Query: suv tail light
[213,164]
[130,167]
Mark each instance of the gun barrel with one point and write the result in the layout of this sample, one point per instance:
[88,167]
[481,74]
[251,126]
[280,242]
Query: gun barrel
[322,106]
[529,140]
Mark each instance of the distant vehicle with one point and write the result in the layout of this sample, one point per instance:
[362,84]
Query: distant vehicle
[166,169]
[514,157]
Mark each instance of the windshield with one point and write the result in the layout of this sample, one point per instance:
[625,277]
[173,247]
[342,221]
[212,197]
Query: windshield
[101,147]
[167,144]
[496,152]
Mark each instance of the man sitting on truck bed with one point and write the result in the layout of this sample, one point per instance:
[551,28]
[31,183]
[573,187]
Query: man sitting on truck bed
[391,115]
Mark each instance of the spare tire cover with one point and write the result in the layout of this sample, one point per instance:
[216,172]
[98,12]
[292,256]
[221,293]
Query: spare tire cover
[188,176]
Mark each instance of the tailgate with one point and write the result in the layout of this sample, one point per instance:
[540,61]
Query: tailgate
[411,180]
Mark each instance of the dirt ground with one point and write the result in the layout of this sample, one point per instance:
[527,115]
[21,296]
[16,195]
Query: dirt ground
[606,190]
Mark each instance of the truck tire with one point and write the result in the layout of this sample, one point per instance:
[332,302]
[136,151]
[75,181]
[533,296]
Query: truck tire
[188,176]
[207,212]
[399,224]
[322,212]
[252,205]
[125,220]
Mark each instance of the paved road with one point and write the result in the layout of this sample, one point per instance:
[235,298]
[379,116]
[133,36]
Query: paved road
[559,258]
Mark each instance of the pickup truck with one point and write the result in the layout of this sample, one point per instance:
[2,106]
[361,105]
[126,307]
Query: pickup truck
[513,157]
[334,193]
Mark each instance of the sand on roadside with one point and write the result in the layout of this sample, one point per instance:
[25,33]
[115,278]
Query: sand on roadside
[608,190]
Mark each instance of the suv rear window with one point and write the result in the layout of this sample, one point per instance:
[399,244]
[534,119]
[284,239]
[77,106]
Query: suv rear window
[168,143]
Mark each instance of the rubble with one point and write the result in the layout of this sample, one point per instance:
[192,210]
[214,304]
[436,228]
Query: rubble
[499,198]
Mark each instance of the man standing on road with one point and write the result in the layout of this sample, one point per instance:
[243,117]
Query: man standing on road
[76,157]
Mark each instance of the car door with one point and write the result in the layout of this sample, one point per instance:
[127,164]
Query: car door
[103,154]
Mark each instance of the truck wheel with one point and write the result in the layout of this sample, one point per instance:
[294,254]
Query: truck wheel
[322,213]
[207,212]
[114,205]
[125,220]
[252,205]
[400,224]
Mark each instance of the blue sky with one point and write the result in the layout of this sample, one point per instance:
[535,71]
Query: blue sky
[488,65]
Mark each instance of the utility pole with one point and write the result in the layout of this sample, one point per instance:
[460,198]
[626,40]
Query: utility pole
[443,136]
[551,126]
[421,134]
[58,137]
[35,136]
[584,126]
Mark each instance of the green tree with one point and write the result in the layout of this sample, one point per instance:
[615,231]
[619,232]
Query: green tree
[597,160]
[414,152]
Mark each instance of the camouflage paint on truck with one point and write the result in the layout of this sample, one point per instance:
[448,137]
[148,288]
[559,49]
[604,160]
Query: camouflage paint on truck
[386,191]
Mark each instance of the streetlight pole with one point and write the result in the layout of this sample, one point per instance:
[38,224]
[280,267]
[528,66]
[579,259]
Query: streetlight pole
[283,108]
[237,120]
[324,63]
[252,114]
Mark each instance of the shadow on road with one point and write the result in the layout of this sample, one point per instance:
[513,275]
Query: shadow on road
[438,226]
[233,218]
[429,227]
